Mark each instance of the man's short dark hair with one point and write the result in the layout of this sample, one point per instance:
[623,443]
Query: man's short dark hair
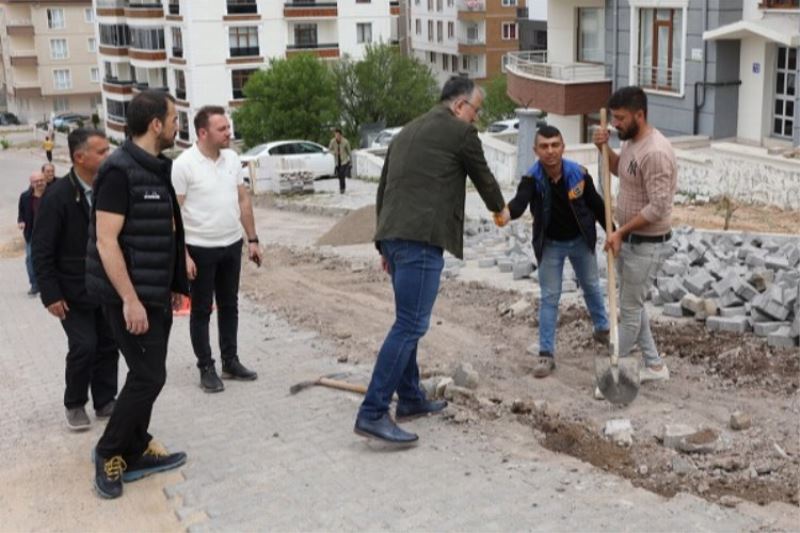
[77,140]
[337,130]
[146,106]
[47,165]
[631,98]
[457,87]
[205,113]
[547,132]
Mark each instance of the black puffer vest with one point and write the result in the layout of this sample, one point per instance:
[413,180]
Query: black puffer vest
[154,254]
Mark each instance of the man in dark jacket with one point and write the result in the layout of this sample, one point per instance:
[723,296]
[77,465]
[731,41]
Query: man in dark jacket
[59,257]
[135,260]
[565,208]
[28,207]
[420,210]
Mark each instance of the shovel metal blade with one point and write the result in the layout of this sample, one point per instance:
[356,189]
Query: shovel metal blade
[619,384]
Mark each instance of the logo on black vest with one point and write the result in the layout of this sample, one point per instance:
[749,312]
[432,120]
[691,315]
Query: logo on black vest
[151,195]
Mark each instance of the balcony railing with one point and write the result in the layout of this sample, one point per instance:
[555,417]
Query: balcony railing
[535,64]
[471,5]
[144,5]
[779,4]
[177,51]
[471,41]
[118,82]
[245,51]
[112,4]
[144,86]
[309,3]
[238,8]
[658,78]
[311,46]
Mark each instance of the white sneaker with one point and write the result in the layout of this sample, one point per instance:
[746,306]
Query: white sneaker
[647,373]
[597,394]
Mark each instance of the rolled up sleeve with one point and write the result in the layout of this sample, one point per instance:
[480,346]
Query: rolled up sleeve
[659,183]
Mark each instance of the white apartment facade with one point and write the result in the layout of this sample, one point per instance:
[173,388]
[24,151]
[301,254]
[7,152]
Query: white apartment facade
[203,51]
[467,37]
[49,58]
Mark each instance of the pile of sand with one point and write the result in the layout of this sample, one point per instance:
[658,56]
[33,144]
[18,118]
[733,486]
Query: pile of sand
[357,227]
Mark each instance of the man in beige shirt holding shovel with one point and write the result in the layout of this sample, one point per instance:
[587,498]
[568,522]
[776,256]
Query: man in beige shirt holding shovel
[648,175]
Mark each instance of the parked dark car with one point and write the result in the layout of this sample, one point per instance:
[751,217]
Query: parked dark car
[8,119]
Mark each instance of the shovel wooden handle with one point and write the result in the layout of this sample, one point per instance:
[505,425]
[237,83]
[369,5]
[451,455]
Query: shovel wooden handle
[342,385]
[612,273]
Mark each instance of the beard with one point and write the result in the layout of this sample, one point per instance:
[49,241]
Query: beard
[166,141]
[630,133]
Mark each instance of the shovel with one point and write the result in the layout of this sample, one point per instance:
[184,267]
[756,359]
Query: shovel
[617,379]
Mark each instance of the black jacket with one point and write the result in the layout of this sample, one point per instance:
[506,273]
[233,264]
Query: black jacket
[25,213]
[586,204]
[152,238]
[59,243]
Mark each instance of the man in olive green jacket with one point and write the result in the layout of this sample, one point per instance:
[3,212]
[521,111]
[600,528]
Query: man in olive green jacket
[420,209]
[340,148]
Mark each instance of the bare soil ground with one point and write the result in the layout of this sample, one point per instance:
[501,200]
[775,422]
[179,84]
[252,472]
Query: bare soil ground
[755,218]
[712,376]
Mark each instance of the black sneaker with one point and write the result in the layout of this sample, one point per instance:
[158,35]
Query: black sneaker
[154,459]
[108,475]
[77,419]
[106,410]
[209,380]
[233,369]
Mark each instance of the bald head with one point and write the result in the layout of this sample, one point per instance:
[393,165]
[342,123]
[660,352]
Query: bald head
[38,182]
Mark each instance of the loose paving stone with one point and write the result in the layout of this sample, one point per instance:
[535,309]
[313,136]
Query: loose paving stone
[734,324]
[740,421]
[782,338]
[671,434]
[620,431]
[466,376]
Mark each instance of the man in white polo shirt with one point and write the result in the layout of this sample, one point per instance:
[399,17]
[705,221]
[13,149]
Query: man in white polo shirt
[215,204]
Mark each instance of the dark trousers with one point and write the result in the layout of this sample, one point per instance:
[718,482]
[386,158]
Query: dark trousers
[217,278]
[146,355]
[92,358]
[49,154]
[342,172]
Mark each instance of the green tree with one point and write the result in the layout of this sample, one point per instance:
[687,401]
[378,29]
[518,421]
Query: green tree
[294,99]
[497,105]
[385,86]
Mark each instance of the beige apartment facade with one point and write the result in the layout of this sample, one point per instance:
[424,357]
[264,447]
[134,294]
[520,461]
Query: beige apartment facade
[49,58]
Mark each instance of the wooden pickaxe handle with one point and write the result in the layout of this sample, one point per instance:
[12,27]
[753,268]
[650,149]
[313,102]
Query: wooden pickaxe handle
[342,385]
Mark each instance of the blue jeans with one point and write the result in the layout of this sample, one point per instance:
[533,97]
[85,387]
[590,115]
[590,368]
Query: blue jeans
[416,269]
[551,270]
[29,267]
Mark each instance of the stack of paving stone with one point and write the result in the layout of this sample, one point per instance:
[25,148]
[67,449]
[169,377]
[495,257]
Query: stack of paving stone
[736,283]
[507,249]
[294,182]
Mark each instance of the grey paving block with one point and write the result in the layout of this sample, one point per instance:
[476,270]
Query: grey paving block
[776,262]
[728,312]
[699,282]
[755,260]
[673,310]
[505,265]
[522,269]
[782,338]
[487,262]
[735,324]
[729,299]
[746,291]
[762,329]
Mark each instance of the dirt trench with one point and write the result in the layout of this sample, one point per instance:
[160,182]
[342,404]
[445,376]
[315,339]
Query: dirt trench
[713,374]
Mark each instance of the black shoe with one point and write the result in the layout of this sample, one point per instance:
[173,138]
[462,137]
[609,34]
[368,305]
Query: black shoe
[601,337]
[33,291]
[233,369]
[106,410]
[209,380]
[154,459]
[384,429]
[108,475]
[425,407]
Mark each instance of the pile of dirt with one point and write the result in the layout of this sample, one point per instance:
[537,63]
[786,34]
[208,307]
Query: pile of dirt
[12,248]
[356,228]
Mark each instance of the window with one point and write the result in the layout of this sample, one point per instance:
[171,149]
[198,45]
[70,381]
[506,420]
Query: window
[430,5]
[418,26]
[147,38]
[58,49]
[177,42]
[660,54]
[237,7]
[116,110]
[449,3]
[439,32]
[238,80]
[94,75]
[509,31]
[95,101]
[62,79]
[180,85]
[472,34]
[432,57]
[60,104]
[174,7]
[785,88]
[430,30]
[454,63]
[305,35]
[445,62]
[451,30]
[92,44]
[509,3]
[244,41]
[364,32]
[438,5]
[88,15]
[55,18]
[115,35]
[183,126]
[591,30]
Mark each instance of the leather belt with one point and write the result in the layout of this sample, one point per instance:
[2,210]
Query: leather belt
[638,239]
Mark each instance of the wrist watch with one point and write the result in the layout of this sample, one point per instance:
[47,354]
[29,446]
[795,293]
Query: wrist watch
[254,240]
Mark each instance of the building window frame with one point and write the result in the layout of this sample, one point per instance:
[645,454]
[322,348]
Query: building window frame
[509,31]
[92,44]
[61,51]
[94,74]
[243,41]
[634,47]
[56,18]
[363,32]
[60,104]
[580,54]
[88,15]
[784,96]
[239,79]
[62,79]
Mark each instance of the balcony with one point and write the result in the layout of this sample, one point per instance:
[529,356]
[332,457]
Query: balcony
[242,8]
[779,4]
[312,9]
[560,88]
[20,28]
[249,51]
[117,86]
[471,9]
[321,50]
[144,10]
[658,78]
[471,45]
[144,86]
[111,8]
[24,58]
[394,7]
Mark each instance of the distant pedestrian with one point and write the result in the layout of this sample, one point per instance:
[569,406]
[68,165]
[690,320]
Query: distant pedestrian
[135,262]
[48,146]
[59,259]
[340,148]
[215,205]
[648,176]
[49,172]
[29,202]
[420,212]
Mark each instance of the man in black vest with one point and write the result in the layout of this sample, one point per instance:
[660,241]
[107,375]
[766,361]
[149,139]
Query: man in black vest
[59,258]
[135,262]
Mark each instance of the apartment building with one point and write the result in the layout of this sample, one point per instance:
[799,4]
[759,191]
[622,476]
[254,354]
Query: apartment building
[203,51]
[722,69]
[469,37]
[49,58]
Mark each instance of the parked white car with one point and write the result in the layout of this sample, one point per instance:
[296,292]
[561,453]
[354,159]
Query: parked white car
[385,137]
[503,126]
[297,154]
